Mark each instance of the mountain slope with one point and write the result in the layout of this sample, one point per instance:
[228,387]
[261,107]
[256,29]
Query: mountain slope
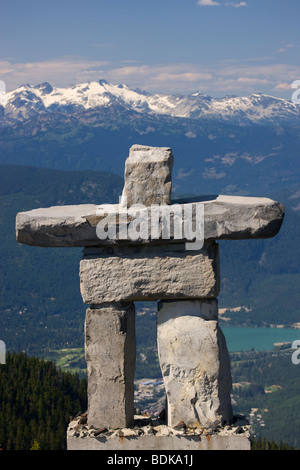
[230,159]
[40,303]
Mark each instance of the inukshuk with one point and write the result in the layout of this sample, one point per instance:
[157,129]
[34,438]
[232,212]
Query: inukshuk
[125,264]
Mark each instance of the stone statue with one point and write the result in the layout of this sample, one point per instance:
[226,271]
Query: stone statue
[130,256]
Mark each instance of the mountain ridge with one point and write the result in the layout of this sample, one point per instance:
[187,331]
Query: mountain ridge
[28,101]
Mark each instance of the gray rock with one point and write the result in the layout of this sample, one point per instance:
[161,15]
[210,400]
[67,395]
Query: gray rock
[58,226]
[110,356]
[195,363]
[158,442]
[150,275]
[225,218]
[148,176]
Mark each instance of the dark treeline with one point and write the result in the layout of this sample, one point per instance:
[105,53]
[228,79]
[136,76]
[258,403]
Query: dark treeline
[36,403]
[263,444]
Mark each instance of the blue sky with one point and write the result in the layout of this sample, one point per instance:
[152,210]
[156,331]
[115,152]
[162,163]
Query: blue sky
[217,47]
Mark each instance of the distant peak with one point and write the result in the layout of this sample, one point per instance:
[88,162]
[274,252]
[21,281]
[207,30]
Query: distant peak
[102,82]
[45,88]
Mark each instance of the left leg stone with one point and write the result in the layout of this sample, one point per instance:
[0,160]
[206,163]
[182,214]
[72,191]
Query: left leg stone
[110,355]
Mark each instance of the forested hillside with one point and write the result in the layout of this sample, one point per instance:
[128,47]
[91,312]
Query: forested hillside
[36,402]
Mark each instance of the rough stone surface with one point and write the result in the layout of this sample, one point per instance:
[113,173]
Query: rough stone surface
[225,218]
[150,435]
[110,356]
[195,363]
[148,176]
[146,275]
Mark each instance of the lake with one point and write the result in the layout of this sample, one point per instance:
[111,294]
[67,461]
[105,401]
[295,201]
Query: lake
[261,339]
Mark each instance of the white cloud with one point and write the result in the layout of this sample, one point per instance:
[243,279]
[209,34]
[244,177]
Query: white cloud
[207,3]
[213,3]
[236,5]
[61,72]
[182,77]
[283,86]
[283,49]
[216,79]
[254,81]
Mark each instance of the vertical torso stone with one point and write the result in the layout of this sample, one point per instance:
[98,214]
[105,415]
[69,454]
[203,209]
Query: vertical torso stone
[110,357]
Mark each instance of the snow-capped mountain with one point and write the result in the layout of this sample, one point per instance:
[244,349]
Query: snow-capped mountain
[28,101]
[236,145]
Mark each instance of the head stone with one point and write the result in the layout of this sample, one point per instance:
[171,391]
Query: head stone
[148,176]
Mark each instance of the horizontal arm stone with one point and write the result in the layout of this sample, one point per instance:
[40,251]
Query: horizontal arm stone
[225,218]
[242,218]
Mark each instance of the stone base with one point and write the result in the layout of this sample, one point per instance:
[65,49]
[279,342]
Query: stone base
[148,435]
